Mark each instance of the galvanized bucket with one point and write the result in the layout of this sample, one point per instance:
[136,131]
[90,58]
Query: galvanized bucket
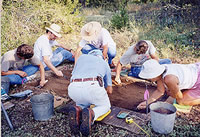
[42,106]
[162,123]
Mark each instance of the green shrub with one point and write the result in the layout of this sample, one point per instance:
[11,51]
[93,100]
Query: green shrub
[24,21]
[121,19]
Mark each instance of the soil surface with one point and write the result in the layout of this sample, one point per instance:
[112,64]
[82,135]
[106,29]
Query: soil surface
[127,95]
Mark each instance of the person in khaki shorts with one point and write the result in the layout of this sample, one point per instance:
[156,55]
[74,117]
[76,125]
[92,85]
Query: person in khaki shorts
[20,65]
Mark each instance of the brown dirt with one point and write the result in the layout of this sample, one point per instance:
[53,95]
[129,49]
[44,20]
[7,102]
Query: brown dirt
[128,95]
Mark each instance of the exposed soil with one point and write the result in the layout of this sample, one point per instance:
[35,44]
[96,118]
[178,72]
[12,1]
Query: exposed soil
[128,95]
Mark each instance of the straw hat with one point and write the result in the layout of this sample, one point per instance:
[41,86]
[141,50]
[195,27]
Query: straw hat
[151,69]
[55,29]
[90,31]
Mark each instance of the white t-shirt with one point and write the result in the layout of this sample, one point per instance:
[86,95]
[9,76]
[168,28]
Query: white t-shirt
[131,57]
[43,47]
[103,39]
[187,74]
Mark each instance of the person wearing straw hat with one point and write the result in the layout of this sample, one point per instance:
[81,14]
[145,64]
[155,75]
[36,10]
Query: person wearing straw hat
[43,49]
[136,55]
[90,84]
[19,66]
[94,36]
[181,81]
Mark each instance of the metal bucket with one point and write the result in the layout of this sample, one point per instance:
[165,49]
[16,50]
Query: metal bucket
[162,123]
[42,106]
[5,84]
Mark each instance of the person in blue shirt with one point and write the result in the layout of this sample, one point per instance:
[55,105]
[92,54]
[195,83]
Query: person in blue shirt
[90,84]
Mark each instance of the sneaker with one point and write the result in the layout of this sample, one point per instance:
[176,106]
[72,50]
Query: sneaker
[74,118]
[4,95]
[31,77]
[87,120]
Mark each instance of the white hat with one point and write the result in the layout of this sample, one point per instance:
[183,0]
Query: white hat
[90,31]
[96,52]
[151,69]
[55,29]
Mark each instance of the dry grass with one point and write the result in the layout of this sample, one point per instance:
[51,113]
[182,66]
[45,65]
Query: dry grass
[25,21]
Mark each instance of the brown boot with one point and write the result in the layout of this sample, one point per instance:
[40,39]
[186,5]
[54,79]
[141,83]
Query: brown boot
[74,118]
[87,120]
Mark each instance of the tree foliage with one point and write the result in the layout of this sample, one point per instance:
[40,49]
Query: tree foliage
[23,21]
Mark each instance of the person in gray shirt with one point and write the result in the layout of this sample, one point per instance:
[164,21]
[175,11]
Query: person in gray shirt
[20,64]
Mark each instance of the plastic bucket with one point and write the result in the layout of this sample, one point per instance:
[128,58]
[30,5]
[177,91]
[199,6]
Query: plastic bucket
[42,106]
[162,117]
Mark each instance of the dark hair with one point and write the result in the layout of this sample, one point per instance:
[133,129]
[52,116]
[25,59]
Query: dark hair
[47,31]
[25,51]
[141,47]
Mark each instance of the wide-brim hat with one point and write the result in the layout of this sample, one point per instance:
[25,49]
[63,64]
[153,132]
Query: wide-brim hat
[90,31]
[55,29]
[151,69]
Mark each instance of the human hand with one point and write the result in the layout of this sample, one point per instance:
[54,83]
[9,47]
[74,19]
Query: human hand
[59,73]
[109,89]
[43,82]
[22,73]
[118,80]
[73,53]
[105,56]
[142,105]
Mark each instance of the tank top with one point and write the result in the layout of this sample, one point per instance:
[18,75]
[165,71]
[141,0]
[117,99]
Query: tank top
[187,74]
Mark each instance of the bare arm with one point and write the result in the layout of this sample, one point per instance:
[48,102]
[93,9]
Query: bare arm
[154,56]
[50,65]
[109,89]
[77,53]
[63,46]
[118,70]
[156,95]
[105,51]
[172,83]
[18,72]
[42,74]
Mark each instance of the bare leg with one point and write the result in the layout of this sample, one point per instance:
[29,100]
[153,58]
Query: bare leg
[190,97]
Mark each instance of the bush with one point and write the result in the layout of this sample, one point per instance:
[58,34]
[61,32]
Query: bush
[24,21]
[121,19]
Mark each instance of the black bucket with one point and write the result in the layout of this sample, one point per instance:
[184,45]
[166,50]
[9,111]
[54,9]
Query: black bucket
[42,106]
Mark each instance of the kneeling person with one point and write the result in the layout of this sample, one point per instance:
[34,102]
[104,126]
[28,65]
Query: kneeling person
[15,65]
[181,81]
[90,76]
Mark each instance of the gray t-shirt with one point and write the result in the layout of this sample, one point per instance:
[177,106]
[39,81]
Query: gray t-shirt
[131,57]
[10,61]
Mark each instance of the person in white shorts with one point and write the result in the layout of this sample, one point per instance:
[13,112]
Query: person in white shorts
[90,85]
